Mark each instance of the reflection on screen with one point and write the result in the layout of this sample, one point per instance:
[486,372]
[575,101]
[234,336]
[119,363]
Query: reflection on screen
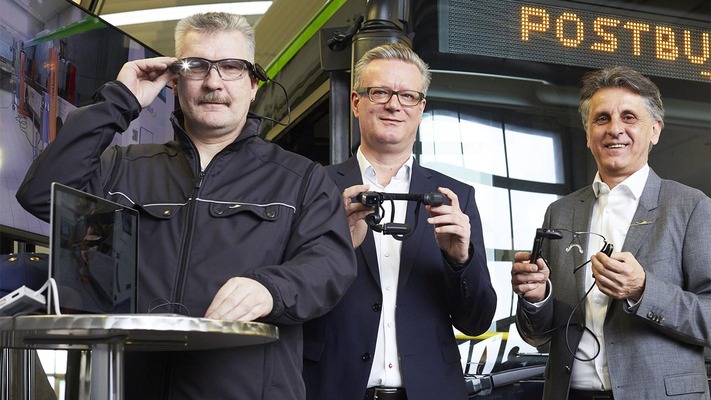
[53,57]
[93,254]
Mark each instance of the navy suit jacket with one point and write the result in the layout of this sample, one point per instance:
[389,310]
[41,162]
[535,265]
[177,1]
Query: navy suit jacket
[432,296]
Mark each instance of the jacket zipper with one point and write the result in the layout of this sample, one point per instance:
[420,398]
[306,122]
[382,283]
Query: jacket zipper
[187,243]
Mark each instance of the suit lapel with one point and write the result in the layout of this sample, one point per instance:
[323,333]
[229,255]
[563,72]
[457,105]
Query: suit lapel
[582,215]
[420,183]
[349,175]
[645,216]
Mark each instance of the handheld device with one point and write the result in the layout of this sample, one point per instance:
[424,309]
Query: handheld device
[375,199]
[398,230]
[542,233]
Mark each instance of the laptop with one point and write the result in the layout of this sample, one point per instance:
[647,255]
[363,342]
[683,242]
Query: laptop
[93,253]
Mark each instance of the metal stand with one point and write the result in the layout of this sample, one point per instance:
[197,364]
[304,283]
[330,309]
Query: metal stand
[107,336]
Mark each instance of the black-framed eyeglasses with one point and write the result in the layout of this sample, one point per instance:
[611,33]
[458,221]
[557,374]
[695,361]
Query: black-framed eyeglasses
[381,95]
[196,68]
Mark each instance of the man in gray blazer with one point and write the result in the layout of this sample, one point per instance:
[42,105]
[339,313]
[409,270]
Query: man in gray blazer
[631,325]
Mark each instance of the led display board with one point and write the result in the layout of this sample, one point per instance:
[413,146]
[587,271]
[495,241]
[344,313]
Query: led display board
[574,34]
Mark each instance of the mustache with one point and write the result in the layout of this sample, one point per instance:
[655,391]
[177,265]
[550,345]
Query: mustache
[213,97]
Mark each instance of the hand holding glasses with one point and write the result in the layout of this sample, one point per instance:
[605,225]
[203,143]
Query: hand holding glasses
[607,248]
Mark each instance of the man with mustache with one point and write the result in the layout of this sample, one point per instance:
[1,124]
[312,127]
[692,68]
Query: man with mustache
[231,227]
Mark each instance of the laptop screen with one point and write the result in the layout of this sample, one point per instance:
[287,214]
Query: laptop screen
[93,252]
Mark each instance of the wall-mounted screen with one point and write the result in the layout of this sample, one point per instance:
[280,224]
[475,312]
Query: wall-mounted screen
[53,57]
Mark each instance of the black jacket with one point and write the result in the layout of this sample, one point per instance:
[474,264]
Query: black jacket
[253,212]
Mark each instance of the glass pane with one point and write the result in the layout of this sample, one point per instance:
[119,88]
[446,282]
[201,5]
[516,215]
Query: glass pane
[500,272]
[493,206]
[483,146]
[528,210]
[534,156]
[441,139]
[462,141]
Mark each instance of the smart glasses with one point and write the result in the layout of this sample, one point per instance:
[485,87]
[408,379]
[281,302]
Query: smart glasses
[381,95]
[195,68]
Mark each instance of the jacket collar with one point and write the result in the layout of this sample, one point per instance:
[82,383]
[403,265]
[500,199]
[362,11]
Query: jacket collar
[250,129]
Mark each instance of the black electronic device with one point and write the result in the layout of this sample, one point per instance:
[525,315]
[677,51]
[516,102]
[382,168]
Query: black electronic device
[607,248]
[377,198]
[397,230]
[542,233]
[254,69]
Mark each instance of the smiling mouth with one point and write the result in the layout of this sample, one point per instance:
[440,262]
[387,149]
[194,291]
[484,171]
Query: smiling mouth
[390,120]
[616,146]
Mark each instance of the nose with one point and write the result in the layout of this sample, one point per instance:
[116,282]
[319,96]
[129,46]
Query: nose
[615,128]
[394,102]
[213,79]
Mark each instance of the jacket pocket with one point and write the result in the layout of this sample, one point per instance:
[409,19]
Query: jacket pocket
[686,383]
[265,213]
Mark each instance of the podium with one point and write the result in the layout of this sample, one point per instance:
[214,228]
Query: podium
[108,336]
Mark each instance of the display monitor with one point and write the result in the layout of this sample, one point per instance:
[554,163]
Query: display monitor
[53,57]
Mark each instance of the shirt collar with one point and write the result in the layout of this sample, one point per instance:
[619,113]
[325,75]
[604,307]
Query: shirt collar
[366,168]
[634,184]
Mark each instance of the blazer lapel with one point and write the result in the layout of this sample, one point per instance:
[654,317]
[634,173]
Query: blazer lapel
[349,175]
[582,215]
[645,216]
[420,182]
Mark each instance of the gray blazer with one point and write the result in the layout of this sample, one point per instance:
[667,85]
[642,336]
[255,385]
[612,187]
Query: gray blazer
[655,349]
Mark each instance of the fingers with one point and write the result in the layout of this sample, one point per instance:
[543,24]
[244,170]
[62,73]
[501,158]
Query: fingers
[449,218]
[146,78]
[529,280]
[619,276]
[241,299]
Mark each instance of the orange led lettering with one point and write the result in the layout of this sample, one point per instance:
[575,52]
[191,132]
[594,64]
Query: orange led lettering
[636,28]
[609,44]
[688,48]
[650,43]
[666,44]
[533,20]
[560,29]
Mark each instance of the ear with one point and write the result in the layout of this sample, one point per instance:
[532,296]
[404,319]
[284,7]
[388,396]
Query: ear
[174,85]
[355,100]
[255,86]
[656,132]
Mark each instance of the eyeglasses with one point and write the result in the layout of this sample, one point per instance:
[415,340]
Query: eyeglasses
[380,95]
[196,68]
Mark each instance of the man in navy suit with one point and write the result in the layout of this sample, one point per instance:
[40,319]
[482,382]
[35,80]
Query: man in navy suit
[631,324]
[391,336]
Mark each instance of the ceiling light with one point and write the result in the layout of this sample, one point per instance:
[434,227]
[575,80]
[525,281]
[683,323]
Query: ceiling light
[176,13]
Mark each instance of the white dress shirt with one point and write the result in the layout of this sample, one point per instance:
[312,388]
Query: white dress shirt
[386,360]
[612,214]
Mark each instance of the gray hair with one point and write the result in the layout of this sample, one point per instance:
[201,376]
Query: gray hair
[621,77]
[214,22]
[391,51]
